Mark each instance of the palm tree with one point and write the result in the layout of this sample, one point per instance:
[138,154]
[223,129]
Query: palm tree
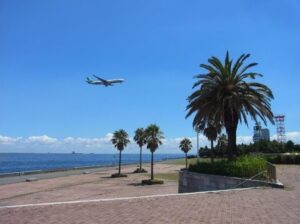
[140,139]
[228,94]
[211,132]
[185,145]
[120,141]
[154,138]
[222,144]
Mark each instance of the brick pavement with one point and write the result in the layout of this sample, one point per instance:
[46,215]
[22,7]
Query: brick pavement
[249,206]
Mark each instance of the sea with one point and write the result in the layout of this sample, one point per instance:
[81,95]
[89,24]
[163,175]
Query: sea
[22,162]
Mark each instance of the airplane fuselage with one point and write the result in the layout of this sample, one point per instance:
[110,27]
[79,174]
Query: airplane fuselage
[103,82]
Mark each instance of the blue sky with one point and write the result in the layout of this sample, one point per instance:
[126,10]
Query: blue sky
[49,47]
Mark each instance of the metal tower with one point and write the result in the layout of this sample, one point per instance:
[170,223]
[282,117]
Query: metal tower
[279,119]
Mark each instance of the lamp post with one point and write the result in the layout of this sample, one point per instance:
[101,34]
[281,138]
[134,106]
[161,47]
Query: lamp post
[197,150]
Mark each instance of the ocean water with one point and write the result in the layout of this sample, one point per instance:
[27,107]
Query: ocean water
[19,162]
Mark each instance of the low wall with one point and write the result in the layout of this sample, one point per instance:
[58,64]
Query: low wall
[195,182]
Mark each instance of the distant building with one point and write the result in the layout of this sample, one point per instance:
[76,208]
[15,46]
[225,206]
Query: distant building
[260,133]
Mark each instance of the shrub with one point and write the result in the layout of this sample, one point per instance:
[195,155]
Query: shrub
[246,166]
[116,175]
[283,159]
[152,182]
[138,170]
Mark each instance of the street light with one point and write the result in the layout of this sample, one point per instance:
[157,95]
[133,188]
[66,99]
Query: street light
[197,150]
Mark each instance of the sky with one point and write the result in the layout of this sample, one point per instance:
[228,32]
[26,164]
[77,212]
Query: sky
[48,48]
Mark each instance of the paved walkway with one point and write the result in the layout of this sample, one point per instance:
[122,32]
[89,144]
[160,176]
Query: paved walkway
[86,186]
[249,206]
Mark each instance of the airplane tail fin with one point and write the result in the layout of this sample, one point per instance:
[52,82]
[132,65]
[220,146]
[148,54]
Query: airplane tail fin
[88,80]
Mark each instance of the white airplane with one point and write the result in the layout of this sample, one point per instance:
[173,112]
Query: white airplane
[104,82]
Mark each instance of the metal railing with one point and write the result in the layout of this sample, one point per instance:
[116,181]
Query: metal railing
[250,179]
[271,173]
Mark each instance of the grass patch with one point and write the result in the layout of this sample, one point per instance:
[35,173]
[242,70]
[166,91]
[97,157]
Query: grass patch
[191,161]
[166,176]
[180,161]
[246,167]
[152,182]
[117,175]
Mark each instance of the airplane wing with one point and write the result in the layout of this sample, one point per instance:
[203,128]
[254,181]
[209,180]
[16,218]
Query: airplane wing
[102,80]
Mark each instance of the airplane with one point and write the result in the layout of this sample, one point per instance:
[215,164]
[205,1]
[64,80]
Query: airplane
[104,82]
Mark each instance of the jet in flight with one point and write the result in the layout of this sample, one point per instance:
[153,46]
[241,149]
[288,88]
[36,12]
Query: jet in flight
[104,82]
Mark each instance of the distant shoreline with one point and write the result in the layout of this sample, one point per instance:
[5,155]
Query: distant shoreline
[65,169]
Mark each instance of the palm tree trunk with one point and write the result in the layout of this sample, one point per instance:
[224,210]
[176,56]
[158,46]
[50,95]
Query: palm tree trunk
[231,132]
[211,151]
[120,157]
[186,160]
[152,176]
[140,159]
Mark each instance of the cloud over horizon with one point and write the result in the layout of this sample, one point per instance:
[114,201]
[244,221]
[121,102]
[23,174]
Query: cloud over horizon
[47,144]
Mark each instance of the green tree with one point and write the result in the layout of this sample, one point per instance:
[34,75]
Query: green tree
[211,131]
[154,138]
[185,145]
[140,139]
[227,94]
[120,141]
[289,146]
[222,144]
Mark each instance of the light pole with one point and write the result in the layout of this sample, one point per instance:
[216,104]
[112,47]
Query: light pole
[197,131]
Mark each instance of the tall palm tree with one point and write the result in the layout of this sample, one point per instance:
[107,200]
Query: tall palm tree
[154,138]
[211,132]
[227,94]
[140,139]
[120,141]
[185,145]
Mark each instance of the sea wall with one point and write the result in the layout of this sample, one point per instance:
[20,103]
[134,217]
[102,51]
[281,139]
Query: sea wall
[196,182]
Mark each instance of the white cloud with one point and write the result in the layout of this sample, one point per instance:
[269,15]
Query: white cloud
[88,142]
[43,139]
[103,144]
[294,136]
[8,140]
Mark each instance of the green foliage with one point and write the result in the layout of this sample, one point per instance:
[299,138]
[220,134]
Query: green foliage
[289,146]
[120,139]
[152,182]
[140,137]
[246,166]
[268,147]
[140,170]
[227,94]
[258,147]
[117,175]
[185,145]
[182,161]
[283,159]
[154,137]
[212,130]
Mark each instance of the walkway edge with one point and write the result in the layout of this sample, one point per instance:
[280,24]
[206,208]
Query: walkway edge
[122,198]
